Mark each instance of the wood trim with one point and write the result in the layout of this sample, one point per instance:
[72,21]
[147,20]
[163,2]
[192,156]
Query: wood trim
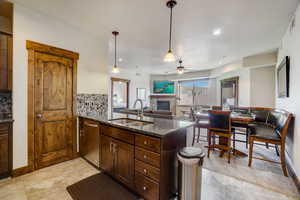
[75,152]
[114,79]
[38,47]
[236,78]
[21,171]
[33,47]
[31,108]
[120,79]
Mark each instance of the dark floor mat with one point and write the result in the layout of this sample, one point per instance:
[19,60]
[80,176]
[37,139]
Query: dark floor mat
[99,187]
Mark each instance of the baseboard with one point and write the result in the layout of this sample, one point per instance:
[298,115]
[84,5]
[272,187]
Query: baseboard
[291,171]
[21,171]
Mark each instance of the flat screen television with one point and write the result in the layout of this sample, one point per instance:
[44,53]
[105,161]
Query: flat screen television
[163,87]
[283,78]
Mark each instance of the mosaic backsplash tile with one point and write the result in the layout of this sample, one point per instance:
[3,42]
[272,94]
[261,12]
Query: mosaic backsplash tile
[92,104]
[5,103]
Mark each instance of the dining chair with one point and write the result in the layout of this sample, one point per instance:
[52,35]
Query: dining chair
[273,132]
[201,123]
[241,128]
[220,126]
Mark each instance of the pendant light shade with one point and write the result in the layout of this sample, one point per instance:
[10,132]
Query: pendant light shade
[115,69]
[180,68]
[170,56]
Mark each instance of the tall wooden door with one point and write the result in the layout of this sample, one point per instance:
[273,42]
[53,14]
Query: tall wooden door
[53,97]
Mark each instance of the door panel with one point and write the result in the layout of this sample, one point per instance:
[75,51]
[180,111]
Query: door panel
[107,157]
[53,109]
[124,162]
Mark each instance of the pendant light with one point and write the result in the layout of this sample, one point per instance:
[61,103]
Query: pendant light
[180,68]
[170,56]
[115,69]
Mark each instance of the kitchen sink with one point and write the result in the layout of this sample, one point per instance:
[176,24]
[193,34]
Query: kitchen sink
[131,122]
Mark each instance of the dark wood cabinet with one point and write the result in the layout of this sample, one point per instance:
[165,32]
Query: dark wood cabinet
[145,164]
[107,156]
[5,62]
[117,159]
[5,149]
[124,162]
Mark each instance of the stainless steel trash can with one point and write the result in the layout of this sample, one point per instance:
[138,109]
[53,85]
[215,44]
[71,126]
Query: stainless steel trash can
[190,180]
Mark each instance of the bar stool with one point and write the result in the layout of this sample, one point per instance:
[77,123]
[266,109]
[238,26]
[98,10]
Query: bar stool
[220,125]
[201,123]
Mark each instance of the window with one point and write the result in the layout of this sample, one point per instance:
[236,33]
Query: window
[193,92]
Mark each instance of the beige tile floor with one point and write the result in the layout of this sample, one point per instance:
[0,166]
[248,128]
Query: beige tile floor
[50,184]
[221,181]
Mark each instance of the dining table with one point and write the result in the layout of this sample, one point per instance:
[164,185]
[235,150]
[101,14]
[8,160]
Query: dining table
[237,120]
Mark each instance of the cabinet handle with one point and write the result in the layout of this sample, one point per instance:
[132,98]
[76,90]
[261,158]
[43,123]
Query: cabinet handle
[145,156]
[91,125]
[145,171]
[145,142]
[144,188]
[114,148]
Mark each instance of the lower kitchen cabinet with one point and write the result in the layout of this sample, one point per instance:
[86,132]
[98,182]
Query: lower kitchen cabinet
[118,159]
[146,164]
[5,149]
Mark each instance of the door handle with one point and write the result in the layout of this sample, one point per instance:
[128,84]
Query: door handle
[114,147]
[91,125]
[39,116]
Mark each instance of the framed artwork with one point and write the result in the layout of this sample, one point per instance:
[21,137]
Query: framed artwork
[283,78]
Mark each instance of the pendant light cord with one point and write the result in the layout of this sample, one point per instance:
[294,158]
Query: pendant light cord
[171,20]
[115,50]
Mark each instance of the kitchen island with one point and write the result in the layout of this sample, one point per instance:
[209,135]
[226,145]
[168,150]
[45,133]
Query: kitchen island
[139,153]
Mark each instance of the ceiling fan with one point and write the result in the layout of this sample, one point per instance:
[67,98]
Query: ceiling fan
[180,69]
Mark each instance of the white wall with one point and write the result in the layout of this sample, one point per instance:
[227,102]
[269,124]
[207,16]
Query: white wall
[262,88]
[291,47]
[92,65]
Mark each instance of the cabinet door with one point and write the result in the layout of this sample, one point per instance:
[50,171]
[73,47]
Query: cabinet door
[4,165]
[124,162]
[107,156]
[5,62]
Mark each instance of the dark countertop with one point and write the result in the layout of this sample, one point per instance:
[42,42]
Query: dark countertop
[6,121]
[159,127]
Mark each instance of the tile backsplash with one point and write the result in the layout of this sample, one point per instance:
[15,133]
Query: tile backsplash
[5,103]
[92,104]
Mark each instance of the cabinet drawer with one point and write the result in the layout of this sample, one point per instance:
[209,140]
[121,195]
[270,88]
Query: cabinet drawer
[120,134]
[4,127]
[147,156]
[147,170]
[147,188]
[147,142]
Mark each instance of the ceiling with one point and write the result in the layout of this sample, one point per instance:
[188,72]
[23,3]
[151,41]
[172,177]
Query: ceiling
[248,27]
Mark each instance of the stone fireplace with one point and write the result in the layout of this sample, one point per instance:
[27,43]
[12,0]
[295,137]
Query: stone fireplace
[163,103]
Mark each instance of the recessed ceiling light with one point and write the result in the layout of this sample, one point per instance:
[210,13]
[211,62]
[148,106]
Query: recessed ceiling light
[217,32]
[120,59]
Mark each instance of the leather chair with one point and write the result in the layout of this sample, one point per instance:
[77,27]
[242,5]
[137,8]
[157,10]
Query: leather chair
[274,131]
[220,125]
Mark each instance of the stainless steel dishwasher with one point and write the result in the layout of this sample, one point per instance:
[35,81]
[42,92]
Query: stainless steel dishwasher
[90,141]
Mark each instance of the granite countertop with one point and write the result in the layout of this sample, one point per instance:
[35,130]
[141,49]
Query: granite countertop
[6,120]
[158,127]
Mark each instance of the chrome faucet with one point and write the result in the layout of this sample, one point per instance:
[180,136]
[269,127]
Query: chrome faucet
[140,112]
